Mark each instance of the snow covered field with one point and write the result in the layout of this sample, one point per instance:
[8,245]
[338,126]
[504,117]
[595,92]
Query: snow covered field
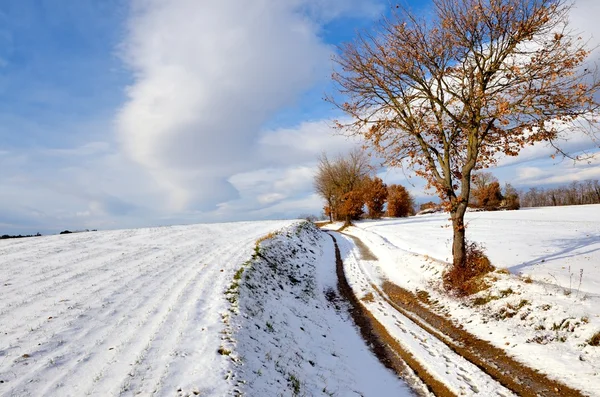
[543,313]
[107,313]
[165,312]
[208,310]
[541,242]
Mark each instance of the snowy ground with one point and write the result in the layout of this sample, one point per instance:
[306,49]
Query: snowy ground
[206,310]
[166,312]
[543,314]
[108,313]
[290,335]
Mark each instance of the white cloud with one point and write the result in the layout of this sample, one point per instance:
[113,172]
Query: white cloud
[207,76]
[304,142]
[191,146]
[582,21]
[559,173]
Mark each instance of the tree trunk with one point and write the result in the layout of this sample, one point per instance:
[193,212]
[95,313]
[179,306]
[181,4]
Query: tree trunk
[459,253]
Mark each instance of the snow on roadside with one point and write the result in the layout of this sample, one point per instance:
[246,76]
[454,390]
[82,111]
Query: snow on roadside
[332,226]
[544,322]
[287,333]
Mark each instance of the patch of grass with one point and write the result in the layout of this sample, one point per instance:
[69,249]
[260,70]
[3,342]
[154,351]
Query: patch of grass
[509,311]
[223,351]
[521,304]
[564,324]
[294,384]
[368,298]
[266,237]
[270,327]
[484,300]
[595,339]
[238,274]
[506,292]
[504,313]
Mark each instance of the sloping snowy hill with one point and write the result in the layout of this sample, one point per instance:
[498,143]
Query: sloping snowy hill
[157,312]
[542,242]
[105,313]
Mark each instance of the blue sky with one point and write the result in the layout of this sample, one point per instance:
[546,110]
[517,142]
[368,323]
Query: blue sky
[129,113]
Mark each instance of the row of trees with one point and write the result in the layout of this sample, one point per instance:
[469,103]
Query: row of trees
[576,193]
[347,186]
[488,195]
[7,236]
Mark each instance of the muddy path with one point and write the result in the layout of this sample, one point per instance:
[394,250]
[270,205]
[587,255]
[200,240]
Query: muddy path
[383,345]
[514,376]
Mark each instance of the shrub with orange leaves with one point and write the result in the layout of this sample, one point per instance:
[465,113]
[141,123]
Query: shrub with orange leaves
[400,202]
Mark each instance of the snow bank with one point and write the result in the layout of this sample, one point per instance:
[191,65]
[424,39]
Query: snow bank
[287,332]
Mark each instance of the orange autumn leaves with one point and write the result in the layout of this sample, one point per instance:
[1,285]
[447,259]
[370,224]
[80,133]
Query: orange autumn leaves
[348,188]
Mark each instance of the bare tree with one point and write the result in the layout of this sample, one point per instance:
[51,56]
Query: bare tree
[445,95]
[325,186]
[482,179]
[511,197]
[340,181]
[576,193]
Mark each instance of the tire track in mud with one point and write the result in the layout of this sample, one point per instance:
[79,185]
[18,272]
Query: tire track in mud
[520,379]
[384,346]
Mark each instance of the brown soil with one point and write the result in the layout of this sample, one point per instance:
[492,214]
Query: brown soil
[365,253]
[383,345]
[520,379]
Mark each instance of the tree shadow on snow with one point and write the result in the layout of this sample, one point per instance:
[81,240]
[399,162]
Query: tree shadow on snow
[568,249]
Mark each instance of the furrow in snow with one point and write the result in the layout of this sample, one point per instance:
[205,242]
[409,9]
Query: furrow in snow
[141,302]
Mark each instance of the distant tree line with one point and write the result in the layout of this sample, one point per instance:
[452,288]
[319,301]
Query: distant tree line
[7,236]
[575,193]
[347,186]
[488,195]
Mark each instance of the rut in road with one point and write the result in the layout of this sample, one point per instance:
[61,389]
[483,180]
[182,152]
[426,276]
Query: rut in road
[518,378]
[388,351]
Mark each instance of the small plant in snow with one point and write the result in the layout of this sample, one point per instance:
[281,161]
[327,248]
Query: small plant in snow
[223,351]
[294,384]
[270,327]
[470,279]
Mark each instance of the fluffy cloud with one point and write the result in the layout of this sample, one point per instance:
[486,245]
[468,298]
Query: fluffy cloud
[560,173]
[207,76]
